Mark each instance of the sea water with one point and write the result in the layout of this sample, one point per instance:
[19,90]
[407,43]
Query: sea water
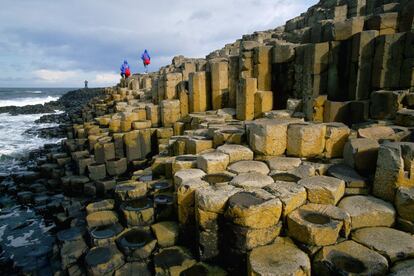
[14,142]
[25,241]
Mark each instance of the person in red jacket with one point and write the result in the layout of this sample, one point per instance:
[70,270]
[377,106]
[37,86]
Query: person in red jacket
[146,59]
[125,70]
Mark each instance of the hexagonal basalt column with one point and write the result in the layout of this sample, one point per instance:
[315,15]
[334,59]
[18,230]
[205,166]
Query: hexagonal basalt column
[187,174]
[138,212]
[267,260]
[213,162]
[130,190]
[101,218]
[248,166]
[290,194]
[393,244]
[105,235]
[236,152]
[103,260]
[164,206]
[348,258]
[306,140]
[251,180]
[368,211]
[172,261]
[323,189]
[316,224]
[116,166]
[254,209]
[137,245]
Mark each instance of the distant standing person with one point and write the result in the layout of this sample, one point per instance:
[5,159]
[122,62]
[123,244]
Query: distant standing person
[125,70]
[86,84]
[146,59]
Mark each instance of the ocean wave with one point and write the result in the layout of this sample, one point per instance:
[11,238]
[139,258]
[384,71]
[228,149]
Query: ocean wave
[27,101]
[34,92]
[13,140]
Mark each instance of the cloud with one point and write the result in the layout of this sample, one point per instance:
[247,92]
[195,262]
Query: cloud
[55,76]
[106,78]
[46,41]
[201,15]
[46,77]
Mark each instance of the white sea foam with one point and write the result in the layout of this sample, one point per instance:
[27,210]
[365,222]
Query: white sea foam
[13,141]
[23,240]
[27,101]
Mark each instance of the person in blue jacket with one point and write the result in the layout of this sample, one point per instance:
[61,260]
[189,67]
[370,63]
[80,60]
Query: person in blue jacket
[146,59]
[125,70]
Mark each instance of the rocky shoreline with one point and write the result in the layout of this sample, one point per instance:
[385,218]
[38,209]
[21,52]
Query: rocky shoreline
[268,157]
[70,102]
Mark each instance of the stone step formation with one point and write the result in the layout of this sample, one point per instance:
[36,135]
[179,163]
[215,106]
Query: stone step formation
[287,152]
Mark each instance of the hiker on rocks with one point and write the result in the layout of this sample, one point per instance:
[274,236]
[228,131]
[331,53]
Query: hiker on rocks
[125,70]
[146,59]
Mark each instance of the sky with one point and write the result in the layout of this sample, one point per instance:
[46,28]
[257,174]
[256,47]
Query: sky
[56,43]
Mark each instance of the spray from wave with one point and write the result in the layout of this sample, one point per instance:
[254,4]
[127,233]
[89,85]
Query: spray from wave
[27,101]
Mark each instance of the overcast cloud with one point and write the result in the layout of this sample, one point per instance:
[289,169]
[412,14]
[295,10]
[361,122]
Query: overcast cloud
[53,43]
